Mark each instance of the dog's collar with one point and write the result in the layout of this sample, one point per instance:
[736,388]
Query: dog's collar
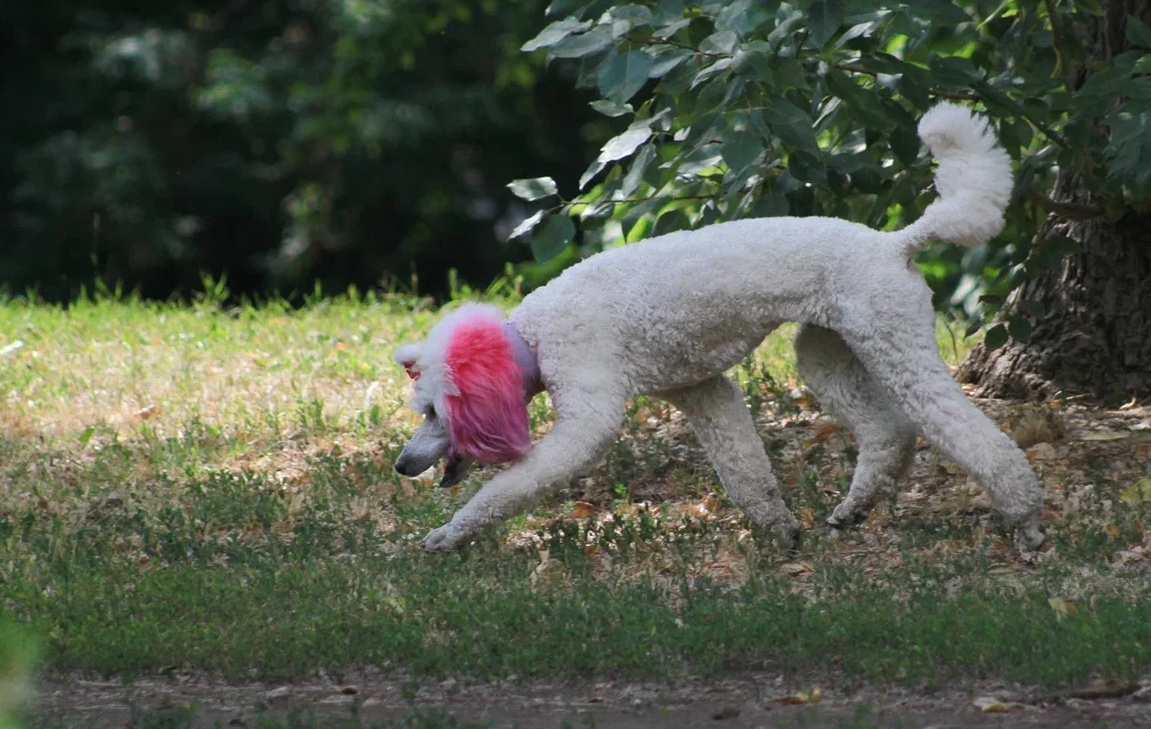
[526,360]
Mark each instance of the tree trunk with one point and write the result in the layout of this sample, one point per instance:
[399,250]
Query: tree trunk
[1095,334]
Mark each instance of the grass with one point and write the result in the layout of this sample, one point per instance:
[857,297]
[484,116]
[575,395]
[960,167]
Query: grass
[209,488]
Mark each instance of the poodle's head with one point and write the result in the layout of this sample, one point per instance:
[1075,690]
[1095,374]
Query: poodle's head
[468,388]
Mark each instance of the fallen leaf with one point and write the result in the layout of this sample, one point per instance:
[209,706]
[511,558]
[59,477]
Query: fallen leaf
[1104,435]
[1063,608]
[990,704]
[1137,493]
[1145,425]
[540,568]
[804,697]
[822,434]
[1001,570]
[582,509]
[711,503]
[795,569]
[1102,689]
[806,517]
[152,411]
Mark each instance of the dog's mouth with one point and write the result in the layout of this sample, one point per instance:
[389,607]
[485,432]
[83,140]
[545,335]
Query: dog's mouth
[455,469]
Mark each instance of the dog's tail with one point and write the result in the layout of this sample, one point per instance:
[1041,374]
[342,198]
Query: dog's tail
[974,181]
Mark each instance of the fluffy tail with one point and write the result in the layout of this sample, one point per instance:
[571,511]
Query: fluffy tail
[974,181]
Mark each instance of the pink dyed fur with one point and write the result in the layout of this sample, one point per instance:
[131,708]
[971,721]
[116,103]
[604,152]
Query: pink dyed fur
[488,420]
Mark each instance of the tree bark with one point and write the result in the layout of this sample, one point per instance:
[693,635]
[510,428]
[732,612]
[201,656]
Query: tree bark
[1095,334]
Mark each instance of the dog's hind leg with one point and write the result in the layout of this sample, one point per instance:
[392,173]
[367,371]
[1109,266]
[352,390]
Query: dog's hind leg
[587,421]
[904,357]
[885,436]
[723,424]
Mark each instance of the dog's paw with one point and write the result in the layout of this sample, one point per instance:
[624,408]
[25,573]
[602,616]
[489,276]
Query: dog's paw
[445,538]
[1028,537]
[846,515]
[787,532]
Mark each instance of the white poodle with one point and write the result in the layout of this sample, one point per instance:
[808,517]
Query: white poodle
[667,316]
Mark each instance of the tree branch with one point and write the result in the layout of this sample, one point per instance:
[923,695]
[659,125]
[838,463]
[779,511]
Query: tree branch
[1065,210]
[711,196]
[1057,37]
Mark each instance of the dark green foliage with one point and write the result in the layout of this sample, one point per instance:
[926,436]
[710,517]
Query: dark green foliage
[285,143]
[810,108]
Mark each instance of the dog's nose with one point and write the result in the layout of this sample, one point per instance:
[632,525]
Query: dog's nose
[402,468]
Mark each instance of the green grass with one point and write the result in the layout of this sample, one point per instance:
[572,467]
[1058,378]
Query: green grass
[211,488]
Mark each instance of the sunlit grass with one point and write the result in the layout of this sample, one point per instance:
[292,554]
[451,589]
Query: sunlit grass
[211,488]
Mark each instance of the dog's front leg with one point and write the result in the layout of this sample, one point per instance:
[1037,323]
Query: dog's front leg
[586,424]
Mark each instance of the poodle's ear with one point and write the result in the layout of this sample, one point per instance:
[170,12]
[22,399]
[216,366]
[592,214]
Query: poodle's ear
[488,418]
[406,356]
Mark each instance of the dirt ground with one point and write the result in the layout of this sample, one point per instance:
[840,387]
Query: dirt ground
[738,702]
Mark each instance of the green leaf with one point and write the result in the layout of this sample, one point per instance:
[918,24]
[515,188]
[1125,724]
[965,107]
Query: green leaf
[552,237]
[1034,308]
[671,29]
[740,148]
[623,145]
[915,85]
[667,61]
[953,71]
[577,46]
[1090,7]
[722,42]
[668,11]
[995,337]
[1138,34]
[710,71]
[639,167]
[824,19]
[1019,328]
[905,143]
[1102,90]
[774,205]
[1130,148]
[807,168]
[610,108]
[792,124]
[618,147]
[528,225]
[738,17]
[753,59]
[671,221]
[533,189]
[556,32]
[636,16]
[638,212]
[940,12]
[623,75]
[789,73]
[864,103]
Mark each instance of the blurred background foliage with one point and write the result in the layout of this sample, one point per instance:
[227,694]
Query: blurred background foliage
[293,143]
[283,143]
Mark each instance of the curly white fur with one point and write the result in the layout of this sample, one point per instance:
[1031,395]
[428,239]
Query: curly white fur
[669,315]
